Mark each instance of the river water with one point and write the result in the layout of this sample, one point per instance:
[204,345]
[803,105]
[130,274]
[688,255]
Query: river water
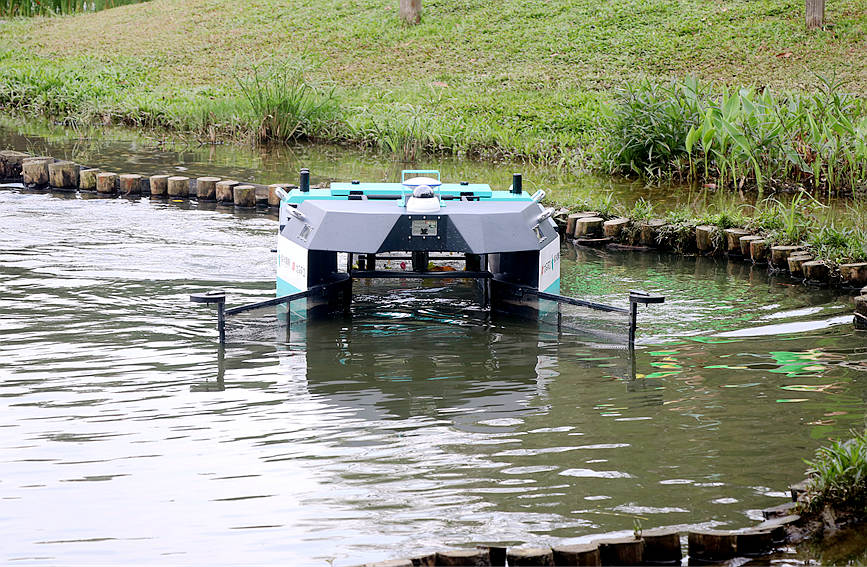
[418,423]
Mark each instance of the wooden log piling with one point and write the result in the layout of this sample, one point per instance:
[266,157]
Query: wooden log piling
[816,271]
[586,554]
[621,551]
[780,255]
[178,187]
[570,224]
[854,275]
[796,263]
[861,311]
[530,557]
[106,183]
[273,199]
[87,179]
[34,172]
[463,557]
[225,192]
[648,232]
[588,227]
[733,240]
[759,251]
[10,164]
[129,184]
[206,188]
[712,545]
[391,563]
[245,196]
[754,542]
[744,242]
[64,175]
[704,238]
[496,554]
[662,546]
[614,228]
[159,185]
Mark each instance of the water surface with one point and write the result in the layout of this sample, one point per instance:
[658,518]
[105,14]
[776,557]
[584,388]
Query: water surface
[416,424]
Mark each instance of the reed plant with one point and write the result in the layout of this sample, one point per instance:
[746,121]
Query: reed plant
[284,105]
[28,8]
[732,137]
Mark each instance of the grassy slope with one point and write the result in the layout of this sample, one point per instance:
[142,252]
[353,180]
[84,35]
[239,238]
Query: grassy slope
[526,76]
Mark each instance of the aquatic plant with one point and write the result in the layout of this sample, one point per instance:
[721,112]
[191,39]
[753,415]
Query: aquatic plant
[838,475]
[740,136]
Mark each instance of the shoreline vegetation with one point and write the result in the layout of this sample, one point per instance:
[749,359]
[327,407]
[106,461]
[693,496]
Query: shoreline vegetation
[686,92]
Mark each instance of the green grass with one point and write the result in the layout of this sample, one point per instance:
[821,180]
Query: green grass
[838,476]
[531,80]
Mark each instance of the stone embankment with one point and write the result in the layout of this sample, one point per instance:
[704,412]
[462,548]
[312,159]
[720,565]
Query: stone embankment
[737,244]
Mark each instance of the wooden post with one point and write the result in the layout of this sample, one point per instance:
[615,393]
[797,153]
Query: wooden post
[63,175]
[815,14]
[530,557]
[854,275]
[590,227]
[245,196]
[661,546]
[225,192]
[614,227]
[712,545]
[87,179]
[649,230]
[34,171]
[621,551]
[10,164]
[586,554]
[206,188]
[179,187]
[159,185]
[816,271]
[780,255]
[704,238]
[733,236]
[105,182]
[410,11]
[130,184]
[273,199]
[861,312]
[457,557]
[796,263]
[759,251]
[745,244]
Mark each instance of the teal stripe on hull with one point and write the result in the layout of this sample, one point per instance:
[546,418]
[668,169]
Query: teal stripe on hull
[297,310]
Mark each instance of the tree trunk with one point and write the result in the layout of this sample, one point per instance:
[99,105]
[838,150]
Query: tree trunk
[815,14]
[410,11]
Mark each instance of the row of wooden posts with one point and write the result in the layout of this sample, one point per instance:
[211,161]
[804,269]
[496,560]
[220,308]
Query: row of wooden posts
[659,546]
[42,172]
[585,227]
[738,243]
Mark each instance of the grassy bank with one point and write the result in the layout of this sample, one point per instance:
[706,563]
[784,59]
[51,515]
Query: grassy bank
[838,480]
[561,84]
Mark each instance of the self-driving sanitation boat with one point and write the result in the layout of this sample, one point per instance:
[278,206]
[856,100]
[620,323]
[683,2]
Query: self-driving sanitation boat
[504,240]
